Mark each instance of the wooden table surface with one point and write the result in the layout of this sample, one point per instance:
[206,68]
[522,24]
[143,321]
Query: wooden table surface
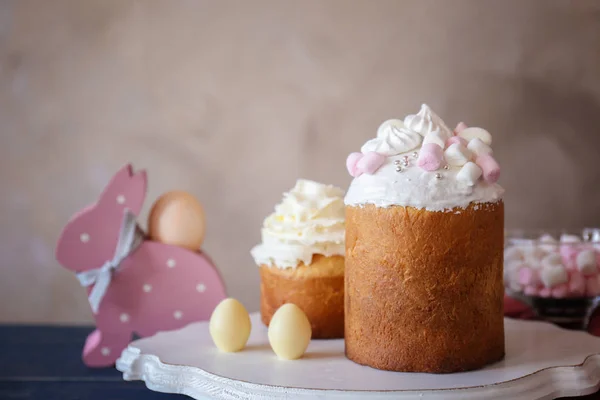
[44,362]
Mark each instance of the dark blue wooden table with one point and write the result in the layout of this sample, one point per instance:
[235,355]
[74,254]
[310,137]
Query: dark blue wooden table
[43,362]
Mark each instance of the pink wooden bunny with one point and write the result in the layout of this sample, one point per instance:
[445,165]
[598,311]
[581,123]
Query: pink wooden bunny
[150,287]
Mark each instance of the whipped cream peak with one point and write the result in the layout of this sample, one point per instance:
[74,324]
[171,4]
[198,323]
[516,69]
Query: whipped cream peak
[309,220]
[426,121]
[393,138]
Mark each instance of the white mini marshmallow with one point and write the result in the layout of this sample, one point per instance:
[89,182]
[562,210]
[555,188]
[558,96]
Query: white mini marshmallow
[510,270]
[511,275]
[586,262]
[551,260]
[569,238]
[548,243]
[515,286]
[478,147]
[479,133]
[532,255]
[554,275]
[469,173]
[435,137]
[546,238]
[512,267]
[512,254]
[457,155]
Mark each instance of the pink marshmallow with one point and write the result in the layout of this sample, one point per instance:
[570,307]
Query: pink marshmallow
[576,284]
[560,291]
[531,291]
[568,253]
[593,270]
[351,161]
[460,127]
[430,157]
[528,276]
[592,286]
[545,292]
[489,166]
[456,139]
[370,162]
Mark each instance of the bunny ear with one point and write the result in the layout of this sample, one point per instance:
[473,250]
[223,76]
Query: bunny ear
[125,190]
[118,181]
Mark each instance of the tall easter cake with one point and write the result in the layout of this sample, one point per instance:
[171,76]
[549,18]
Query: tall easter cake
[424,249]
[301,257]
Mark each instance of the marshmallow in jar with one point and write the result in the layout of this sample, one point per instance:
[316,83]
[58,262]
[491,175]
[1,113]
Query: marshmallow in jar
[568,267]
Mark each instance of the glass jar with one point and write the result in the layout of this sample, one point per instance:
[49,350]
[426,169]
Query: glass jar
[557,273]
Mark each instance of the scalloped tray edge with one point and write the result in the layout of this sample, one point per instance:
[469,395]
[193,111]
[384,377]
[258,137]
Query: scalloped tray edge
[559,381]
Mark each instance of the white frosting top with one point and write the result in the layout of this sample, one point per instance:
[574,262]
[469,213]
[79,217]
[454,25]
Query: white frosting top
[399,181]
[309,220]
[418,188]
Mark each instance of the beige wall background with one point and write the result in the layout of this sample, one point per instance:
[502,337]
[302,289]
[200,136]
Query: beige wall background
[234,100]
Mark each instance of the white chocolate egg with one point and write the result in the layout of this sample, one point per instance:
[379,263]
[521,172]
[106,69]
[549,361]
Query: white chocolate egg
[230,326]
[479,133]
[289,332]
[177,218]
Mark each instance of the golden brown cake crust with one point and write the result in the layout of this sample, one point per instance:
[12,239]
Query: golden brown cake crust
[318,289]
[424,290]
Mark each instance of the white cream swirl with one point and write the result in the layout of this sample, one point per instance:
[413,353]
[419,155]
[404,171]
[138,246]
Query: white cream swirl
[393,138]
[426,121]
[309,220]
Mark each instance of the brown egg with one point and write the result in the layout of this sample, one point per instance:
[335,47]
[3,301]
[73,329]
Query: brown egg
[177,218]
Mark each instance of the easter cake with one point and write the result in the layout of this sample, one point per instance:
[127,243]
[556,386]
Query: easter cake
[424,249]
[301,257]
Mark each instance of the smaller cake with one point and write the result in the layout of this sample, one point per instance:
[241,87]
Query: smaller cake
[301,257]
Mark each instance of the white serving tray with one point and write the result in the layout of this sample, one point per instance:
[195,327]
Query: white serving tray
[542,362]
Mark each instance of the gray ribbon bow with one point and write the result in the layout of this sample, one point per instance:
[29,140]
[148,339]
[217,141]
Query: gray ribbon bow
[130,237]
